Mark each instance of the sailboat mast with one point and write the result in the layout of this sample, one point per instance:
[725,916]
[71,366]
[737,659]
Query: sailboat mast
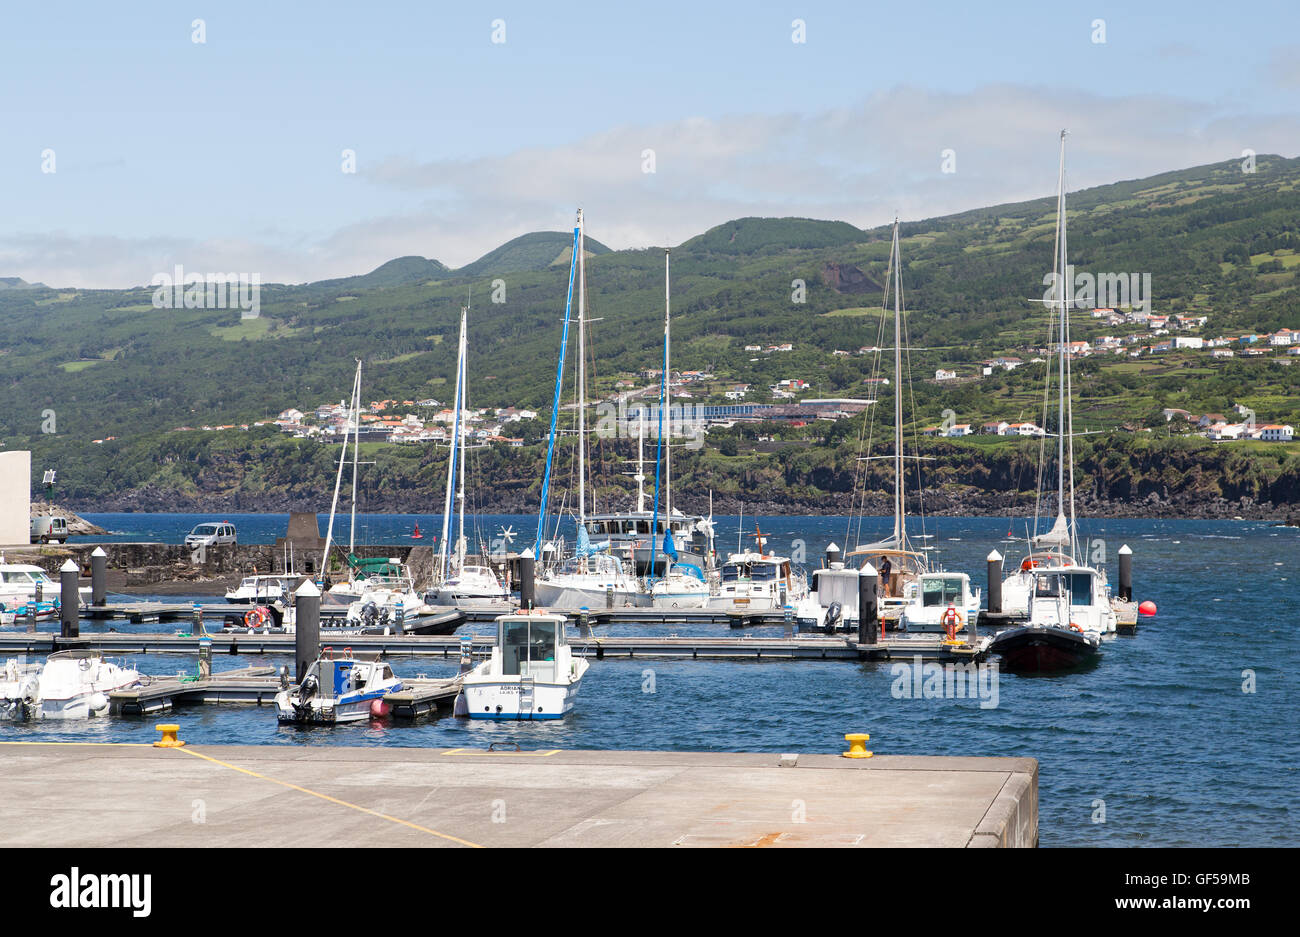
[1064,314]
[900,524]
[338,484]
[356,446]
[668,385]
[462,379]
[659,443]
[452,453]
[640,465]
[582,379]
[1065,341]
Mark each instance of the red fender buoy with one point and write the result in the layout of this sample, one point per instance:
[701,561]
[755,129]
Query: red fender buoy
[1147,608]
[378,708]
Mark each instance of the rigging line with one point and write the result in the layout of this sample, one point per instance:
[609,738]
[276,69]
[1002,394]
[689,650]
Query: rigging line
[869,425]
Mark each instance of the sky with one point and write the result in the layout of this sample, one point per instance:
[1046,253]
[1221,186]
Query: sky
[228,154]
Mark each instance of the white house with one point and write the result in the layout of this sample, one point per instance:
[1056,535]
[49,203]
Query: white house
[1188,341]
[959,429]
[942,375]
[995,429]
[1273,432]
[1024,429]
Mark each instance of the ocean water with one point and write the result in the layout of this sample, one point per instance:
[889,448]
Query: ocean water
[1182,734]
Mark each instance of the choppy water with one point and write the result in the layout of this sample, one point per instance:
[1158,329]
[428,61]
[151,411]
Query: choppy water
[1160,730]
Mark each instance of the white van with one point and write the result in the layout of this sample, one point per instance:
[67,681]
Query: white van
[49,528]
[210,535]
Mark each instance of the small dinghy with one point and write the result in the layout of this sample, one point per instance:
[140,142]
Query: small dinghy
[338,688]
[532,673]
[1045,648]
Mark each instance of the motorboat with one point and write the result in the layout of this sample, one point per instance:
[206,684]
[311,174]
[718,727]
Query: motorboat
[940,595]
[76,683]
[469,585]
[19,688]
[23,582]
[531,673]
[386,609]
[596,580]
[263,589]
[755,581]
[1044,648]
[337,689]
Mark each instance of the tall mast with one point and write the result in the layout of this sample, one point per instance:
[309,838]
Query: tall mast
[1064,314]
[663,399]
[582,380]
[900,524]
[338,482]
[453,452]
[640,465]
[462,378]
[668,384]
[356,446]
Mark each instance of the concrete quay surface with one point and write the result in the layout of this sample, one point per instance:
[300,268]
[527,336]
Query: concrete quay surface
[103,794]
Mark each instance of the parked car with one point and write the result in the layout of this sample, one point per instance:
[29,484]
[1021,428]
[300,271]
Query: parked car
[49,528]
[211,535]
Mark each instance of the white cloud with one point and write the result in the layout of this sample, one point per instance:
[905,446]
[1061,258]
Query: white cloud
[858,164]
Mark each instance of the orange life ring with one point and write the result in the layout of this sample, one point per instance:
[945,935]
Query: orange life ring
[951,619]
[1028,564]
[1076,627]
[257,617]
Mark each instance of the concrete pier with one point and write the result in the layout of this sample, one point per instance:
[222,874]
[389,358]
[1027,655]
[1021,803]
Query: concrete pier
[273,795]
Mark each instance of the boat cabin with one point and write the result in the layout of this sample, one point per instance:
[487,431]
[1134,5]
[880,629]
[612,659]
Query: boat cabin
[939,590]
[530,645]
[1077,584]
[756,570]
[339,676]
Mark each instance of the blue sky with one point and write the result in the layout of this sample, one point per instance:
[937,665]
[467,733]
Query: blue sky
[226,155]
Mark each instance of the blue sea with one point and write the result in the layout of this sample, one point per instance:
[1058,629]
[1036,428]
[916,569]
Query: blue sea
[1182,734]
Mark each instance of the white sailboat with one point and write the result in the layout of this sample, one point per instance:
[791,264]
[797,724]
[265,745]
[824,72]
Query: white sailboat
[455,581]
[531,674]
[683,584]
[898,562]
[591,576]
[1068,602]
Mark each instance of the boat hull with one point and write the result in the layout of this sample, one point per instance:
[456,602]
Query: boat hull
[1037,649]
[565,595]
[328,713]
[502,699]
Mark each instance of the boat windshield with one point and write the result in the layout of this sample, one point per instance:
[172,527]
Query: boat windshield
[941,591]
[763,572]
[1078,586]
[528,641]
[730,573]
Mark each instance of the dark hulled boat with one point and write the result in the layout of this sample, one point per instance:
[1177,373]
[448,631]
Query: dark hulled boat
[1044,648]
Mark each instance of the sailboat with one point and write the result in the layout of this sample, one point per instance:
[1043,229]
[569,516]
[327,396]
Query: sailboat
[455,581]
[591,576]
[1067,601]
[834,594]
[683,584]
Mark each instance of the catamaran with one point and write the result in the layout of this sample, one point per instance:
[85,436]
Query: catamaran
[590,576]
[455,581]
[532,673]
[1068,603]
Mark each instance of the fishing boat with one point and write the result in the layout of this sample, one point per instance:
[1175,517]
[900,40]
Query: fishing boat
[457,582]
[337,689]
[531,674]
[751,580]
[76,683]
[590,575]
[1080,594]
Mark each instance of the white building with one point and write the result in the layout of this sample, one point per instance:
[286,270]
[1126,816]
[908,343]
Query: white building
[15,497]
[943,375]
[1273,432]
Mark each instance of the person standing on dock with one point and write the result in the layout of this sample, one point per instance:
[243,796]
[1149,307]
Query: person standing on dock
[885,568]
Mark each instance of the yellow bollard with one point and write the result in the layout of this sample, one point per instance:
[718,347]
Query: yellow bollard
[169,739]
[857,745]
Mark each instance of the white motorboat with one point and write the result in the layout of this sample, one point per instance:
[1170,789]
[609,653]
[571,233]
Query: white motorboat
[469,585]
[338,689]
[263,589]
[389,608]
[19,688]
[75,684]
[757,581]
[531,674]
[20,582]
[938,596]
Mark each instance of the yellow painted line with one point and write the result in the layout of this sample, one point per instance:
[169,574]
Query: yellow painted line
[334,800]
[96,744]
[479,751]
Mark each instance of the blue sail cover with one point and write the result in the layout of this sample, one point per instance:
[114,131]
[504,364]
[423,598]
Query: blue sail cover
[585,547]
[670,549]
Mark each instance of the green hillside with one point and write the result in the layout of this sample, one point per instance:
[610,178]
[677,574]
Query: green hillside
[1216,242]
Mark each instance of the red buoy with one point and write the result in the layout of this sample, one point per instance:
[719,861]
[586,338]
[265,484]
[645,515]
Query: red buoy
[1147,608]
[416,535]
[378,708]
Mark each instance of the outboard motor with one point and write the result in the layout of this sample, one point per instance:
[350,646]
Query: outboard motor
[369,613]
[832,617]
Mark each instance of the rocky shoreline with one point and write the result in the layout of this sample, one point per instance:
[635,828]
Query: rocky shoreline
[937,503]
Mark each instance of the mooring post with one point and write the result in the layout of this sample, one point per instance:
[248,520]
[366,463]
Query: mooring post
[197,611]
[787,616]
[584,622]
[306,629]
[995,583]
[98,576]
[609,596]
[205,658]
[867,578]
[1126,573]
[69,600]
[527,570]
